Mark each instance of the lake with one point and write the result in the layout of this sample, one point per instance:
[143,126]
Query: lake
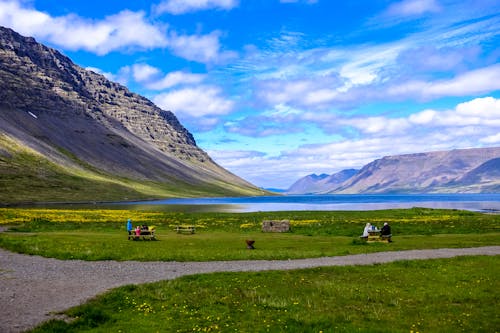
[472,202]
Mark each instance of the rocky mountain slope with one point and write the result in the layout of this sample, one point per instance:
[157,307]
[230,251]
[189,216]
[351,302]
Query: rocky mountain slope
[461,170]
[456,171]
[312,184]
[90,131]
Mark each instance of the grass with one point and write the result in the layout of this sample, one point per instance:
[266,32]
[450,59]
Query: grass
[445,295]
[96,234]
[26,176]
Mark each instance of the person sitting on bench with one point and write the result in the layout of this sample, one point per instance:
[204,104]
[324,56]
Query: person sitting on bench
[365,230]
[385,232]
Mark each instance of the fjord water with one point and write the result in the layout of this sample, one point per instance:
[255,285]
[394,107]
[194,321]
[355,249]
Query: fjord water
[473,202]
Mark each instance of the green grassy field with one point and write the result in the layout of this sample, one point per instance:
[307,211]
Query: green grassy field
[446,295]
[96,234]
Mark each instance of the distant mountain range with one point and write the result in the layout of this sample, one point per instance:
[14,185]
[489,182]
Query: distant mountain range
[69,134]
[313,184]
[474,170]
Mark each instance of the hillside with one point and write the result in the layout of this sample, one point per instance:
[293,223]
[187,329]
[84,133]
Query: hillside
[314,184]
[69,134]
[456,171]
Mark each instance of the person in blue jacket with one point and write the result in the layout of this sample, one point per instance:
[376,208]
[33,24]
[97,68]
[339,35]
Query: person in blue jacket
[129,227]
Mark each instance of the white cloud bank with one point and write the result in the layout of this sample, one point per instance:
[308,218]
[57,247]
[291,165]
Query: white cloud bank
[413,8]
[177,7]
[200,101]
[122,31]
[152,77]
[473,82]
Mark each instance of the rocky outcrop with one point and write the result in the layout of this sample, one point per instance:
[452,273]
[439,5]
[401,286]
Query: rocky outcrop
[40,79]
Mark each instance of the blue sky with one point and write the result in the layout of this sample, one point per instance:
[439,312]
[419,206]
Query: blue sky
[274,90]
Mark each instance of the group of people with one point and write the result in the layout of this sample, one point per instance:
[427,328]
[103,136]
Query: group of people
[385,231]
[138,229]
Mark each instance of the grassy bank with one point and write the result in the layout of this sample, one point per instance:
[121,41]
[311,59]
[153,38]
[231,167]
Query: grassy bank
[449,295]
[101,235]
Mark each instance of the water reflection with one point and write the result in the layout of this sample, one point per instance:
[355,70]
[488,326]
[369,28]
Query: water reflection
[472,202]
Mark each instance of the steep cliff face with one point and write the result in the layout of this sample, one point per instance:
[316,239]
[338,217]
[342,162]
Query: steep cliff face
[75,117]
[447,171]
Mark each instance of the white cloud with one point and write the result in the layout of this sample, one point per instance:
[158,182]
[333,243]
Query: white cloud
[487,108]
[196,102]
[484,112]
[281,110]
[177,7]
[173,79]
[144,72]
[309,2]
[478,81]
[378,125]
[413,8]
[423,117]
[311,92]
[126,29]
[465,119]
[491,139]
[201,48]
[363,65]
[122,31]
[152,78]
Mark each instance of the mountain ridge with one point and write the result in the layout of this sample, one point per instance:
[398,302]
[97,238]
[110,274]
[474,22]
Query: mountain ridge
[315,184]
[474,170]
[79,120]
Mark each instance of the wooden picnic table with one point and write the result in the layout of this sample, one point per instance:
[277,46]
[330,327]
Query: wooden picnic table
[149,234]
[375,236]
[186,229]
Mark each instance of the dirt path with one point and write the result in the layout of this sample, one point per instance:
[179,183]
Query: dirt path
[32,288]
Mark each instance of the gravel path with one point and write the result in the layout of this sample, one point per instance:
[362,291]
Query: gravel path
[33,288]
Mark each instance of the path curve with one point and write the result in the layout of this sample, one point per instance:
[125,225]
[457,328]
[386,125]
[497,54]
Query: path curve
[32,288]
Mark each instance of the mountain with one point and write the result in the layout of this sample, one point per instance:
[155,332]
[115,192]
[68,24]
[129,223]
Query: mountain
[69,134]
[315,184]
[457,171]
[486,177]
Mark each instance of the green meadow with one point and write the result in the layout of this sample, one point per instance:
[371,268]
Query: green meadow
[445,295]
[101,234]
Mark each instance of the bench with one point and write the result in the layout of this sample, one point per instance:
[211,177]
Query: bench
[185,229]
[145,235]
[375,236]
